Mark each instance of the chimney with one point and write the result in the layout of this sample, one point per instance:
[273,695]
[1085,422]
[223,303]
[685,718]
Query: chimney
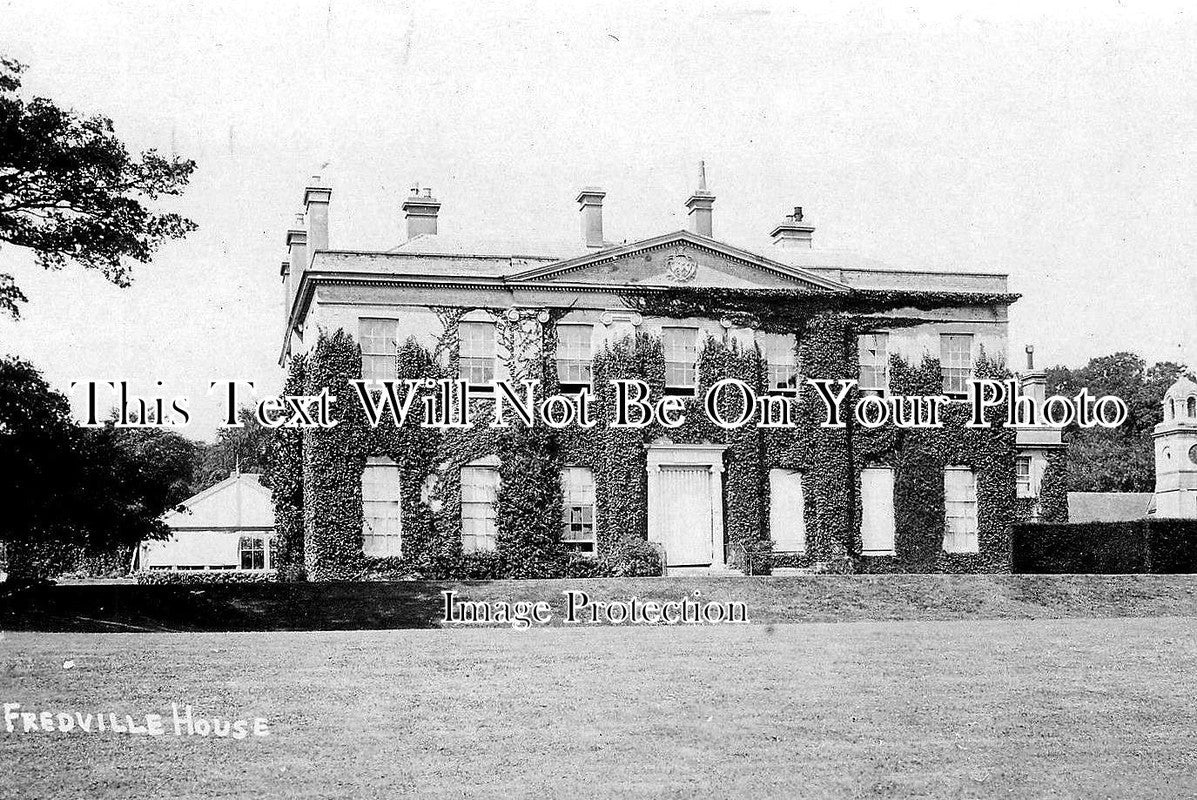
[315,202]
[590,203]
[420,211]
[297,241]
[700,204]
[1033,382]
[793,233]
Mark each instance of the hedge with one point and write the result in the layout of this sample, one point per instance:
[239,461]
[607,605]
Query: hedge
[165,577]
[1146,545]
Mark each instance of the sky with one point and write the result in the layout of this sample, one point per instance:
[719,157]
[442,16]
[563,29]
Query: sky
[1052,142]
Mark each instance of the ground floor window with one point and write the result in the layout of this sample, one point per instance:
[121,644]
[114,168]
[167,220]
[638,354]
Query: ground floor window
[577,485]
[960,510]
[382,520]
[787,509]
[253,553]
[479,519]
[877,511]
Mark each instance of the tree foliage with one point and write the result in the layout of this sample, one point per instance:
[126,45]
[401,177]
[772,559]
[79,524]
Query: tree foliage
[1121,459]
[90,488]
[71,191]
[244,449]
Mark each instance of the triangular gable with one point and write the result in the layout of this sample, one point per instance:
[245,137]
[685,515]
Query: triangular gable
[678,259]
[238,501]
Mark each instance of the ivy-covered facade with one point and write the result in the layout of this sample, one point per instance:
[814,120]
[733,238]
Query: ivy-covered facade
[679,312]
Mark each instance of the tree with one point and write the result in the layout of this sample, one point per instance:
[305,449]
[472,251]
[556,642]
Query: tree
[1121,459]
[71,191]
[69,489]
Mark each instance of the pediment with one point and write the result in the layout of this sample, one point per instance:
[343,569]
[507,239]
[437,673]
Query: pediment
[680,259]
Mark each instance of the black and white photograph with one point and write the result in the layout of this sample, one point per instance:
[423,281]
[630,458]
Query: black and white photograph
[613,400]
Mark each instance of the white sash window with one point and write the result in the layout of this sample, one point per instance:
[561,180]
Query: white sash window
[574,356]
[476,352]
[780,351]
[787,511]
[874,361]
[681,357]
[577,485]
[877,511]
[377,338]
[382,518]
[956,361]
[960,510]
[479,517]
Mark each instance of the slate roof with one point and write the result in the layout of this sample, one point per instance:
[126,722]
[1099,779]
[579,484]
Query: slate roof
[1108,506]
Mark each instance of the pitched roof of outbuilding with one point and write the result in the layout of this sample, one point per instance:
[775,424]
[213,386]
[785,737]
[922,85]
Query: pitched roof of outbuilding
[1108,506]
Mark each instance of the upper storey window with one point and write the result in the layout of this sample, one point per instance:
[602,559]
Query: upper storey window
[780,351]
[681,358]
[377,338]
[574,358]
[874,361]
[956,361]
[476,353]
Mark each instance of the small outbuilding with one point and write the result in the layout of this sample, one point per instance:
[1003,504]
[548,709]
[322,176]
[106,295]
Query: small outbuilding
[229,526]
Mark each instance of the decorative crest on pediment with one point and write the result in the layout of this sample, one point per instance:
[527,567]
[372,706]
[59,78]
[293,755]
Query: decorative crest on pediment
[680,268]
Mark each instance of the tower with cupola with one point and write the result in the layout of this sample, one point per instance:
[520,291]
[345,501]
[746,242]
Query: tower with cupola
[1176,453]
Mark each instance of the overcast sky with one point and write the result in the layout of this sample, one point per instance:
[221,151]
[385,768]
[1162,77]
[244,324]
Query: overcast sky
[1055,145]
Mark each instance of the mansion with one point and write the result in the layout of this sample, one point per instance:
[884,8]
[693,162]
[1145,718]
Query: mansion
[680,310]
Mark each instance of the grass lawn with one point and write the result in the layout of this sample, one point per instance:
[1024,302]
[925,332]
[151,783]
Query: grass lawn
[980,708]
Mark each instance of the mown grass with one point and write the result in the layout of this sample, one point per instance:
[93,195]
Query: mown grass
[977,708]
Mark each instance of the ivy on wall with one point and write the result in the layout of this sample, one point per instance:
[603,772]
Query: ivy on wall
[333,460]
[285,469]
[529,503]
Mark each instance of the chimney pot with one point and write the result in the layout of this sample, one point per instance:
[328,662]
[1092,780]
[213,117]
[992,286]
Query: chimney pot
[793,233]
[590,203]
[421,213]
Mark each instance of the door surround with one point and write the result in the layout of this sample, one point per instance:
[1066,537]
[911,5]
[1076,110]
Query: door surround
[667,454]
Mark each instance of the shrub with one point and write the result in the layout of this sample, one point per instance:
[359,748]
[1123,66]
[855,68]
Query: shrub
[198,576]
[759,556]
[481,566]
[633,559]
[581,566]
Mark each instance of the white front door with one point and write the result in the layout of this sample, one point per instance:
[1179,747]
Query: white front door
[685,502]
[685,519]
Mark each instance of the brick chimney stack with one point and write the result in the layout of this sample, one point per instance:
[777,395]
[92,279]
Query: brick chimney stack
[297,248]
[315,203]
[700,204]
[590,203]
[421,210]
[793,233]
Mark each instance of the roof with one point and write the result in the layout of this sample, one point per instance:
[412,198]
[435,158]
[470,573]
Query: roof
[239,501]
[508,264]
[679,237]
[1183,387]
[1108,506]
[451,244]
